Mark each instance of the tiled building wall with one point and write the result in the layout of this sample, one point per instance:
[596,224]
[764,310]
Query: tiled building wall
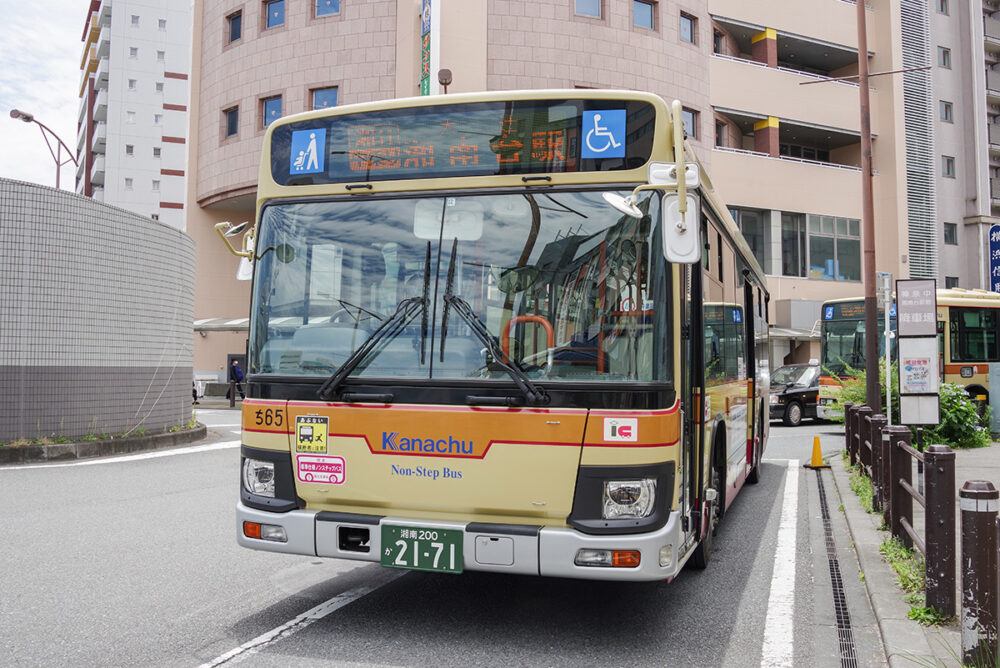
[545,44]
[95,317]
[354,51]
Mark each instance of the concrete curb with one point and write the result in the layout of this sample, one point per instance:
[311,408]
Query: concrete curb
[37,454]
[906,642]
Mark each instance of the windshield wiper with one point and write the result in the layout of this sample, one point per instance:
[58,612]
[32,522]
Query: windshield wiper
[389,329]
[533,394]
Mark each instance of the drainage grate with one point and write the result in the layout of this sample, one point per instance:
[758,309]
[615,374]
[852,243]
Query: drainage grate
[845,635]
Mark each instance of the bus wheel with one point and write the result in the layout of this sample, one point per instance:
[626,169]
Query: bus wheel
[793,414]
[703,552]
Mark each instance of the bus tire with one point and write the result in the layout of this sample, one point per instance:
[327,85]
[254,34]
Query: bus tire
[703,552]
[793,414]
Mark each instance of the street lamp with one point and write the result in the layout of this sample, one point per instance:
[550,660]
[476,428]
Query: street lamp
[46,133]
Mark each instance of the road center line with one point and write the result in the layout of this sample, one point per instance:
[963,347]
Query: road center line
[128,458]
[779,626]
[292,627]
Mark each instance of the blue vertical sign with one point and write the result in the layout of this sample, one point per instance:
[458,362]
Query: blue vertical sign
[995,258]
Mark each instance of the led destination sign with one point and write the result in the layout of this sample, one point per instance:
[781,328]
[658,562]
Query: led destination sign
[480,139]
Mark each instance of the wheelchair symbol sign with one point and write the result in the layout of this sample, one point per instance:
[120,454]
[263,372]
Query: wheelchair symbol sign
[603,134]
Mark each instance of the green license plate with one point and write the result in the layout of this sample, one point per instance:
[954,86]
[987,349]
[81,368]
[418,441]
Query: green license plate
[416,548]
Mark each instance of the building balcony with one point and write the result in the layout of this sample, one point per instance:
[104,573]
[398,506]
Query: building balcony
[995,189]
[994,135]
[102,74]
[104,42]
[97,171]
[100,139]
[822,20]
[99,193]
[101,105]
[747,178]
[105,10]
[735,83]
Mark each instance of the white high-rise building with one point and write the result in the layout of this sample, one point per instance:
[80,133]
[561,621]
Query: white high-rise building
[132,124]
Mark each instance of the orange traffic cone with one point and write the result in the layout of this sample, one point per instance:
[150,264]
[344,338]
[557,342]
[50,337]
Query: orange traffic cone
[817,456]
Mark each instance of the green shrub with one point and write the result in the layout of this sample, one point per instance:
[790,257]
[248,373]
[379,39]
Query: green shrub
[961,424]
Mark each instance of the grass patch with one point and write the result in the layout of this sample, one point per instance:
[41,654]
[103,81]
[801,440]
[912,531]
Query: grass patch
[910,569]
[861,485]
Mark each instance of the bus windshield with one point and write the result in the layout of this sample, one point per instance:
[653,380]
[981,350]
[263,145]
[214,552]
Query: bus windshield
[567,288]
[843,344]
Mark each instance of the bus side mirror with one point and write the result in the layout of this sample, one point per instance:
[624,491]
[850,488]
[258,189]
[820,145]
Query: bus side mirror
[680,234]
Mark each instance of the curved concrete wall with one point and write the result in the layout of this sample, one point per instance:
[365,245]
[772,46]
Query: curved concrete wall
[95,319]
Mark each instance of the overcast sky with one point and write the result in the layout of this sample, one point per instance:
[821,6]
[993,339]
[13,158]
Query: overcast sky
[40,51]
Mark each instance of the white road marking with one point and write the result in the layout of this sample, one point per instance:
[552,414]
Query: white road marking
[302,621]
[219,426]
[778,648]
[129,458]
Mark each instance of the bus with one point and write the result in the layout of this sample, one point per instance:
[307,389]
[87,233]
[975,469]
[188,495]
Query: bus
[475,339]
[968,331]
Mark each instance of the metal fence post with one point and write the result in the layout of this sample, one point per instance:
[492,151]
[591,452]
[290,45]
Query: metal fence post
[939,528]
[850,430]
[978,503]
[886,473]
[847,430]
[864,432]
[878,423]
[900,468]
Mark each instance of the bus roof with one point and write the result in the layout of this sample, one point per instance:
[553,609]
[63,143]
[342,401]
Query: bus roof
[945,297]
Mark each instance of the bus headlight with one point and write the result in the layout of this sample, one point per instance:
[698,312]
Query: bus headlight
[628,498]
[258,477]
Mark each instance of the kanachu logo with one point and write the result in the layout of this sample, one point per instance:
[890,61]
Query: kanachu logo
[621,429]
[393,442]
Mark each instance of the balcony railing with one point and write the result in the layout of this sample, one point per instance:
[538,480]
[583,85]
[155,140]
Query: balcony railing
[993,80]
[809,75]
[991,29]
[97,171]
[805,161]
[994,133]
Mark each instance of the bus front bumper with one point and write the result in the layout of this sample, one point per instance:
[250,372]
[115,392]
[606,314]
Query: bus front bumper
[498,548]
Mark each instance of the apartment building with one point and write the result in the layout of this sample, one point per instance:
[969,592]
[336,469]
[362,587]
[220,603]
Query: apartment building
[964,41]
[132,124]
[782,142]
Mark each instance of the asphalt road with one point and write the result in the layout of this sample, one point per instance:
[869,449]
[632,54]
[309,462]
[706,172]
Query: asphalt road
[133,561]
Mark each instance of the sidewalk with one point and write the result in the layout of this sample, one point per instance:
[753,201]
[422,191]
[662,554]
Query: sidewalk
[907,643]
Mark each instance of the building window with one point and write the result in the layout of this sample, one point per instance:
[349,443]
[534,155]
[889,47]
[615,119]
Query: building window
[157,119]
[235,21]
[951,282]
[689,118]
[951,234]
[827,248]
[588,8]
[643,14]
[948,166]
[128,183]
[804,152]
[232,120]
[161,24]
[156,151]
[159,86]
[720,134]
[270,110]
[161,55]
[130,117]
[327,7]
[689,29]
[274,13]
[135,20]
[131,84]
[156,185]
[129,149]
[718,42]
[947,112]
[133,52]
[751,224]
[942,6]
[944,57]
[324,98]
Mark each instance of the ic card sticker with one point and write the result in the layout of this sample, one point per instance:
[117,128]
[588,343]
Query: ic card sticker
[621,429]
[313,468]
[311,433]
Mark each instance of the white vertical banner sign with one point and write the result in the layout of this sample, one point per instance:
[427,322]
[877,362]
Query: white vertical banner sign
[916,324]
